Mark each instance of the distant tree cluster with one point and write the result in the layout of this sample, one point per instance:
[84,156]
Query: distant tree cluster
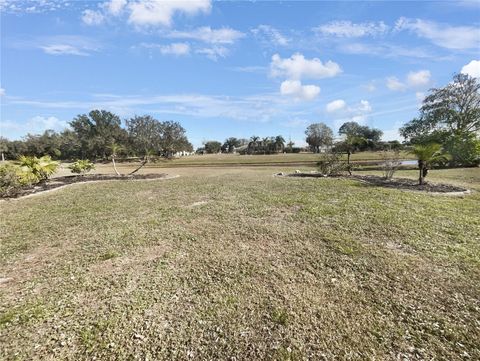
[99,135]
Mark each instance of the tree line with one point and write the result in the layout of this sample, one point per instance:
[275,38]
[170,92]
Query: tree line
[319,137]
[98,135]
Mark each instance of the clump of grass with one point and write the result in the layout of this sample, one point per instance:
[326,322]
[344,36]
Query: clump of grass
[279,316]
[108,255]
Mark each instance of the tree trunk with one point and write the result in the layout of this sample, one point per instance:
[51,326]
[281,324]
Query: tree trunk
[115,166]
[3,157]
[348,157]
[140,167]
[421,167]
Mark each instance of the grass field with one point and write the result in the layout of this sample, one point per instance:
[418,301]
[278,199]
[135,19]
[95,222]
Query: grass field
[262,160]
[234,264]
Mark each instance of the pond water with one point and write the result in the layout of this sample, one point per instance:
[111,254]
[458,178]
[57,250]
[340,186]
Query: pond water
[409,162]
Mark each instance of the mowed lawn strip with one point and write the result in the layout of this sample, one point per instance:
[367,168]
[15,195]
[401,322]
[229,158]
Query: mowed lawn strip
[236,264]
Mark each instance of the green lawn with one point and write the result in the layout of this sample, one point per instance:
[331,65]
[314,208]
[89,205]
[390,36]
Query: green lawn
[261,160]
[234,264]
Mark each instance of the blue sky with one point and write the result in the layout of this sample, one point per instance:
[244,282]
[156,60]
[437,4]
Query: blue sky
[230,68]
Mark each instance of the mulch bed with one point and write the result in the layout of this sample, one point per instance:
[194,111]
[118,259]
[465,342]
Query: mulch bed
[397,183]
[53,183]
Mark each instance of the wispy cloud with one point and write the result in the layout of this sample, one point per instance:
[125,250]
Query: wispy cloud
[145,13]
[177,49]
[347,29]
[259,107]
[269,35]
[443,35]
[208,35]
[58,45]
[35,125]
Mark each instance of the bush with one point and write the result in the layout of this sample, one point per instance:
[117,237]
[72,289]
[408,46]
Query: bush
[332,165]
[81,166]
[12,179]
[464,150]
[391,162]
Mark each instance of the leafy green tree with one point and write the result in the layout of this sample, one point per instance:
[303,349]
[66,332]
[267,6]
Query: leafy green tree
[450,116]
[96,131]
[230,144]
[212,147]
[319,135]
[427,155]
[174,138]
[145,135]
[359,137]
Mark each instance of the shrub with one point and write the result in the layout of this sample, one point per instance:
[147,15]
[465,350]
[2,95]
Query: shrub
[38,169]
[332,165]
[391,162]
[12,179]
[81,166]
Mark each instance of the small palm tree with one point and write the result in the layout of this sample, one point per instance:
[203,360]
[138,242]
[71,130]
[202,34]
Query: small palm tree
[427,155]
[39,168]
[114,150]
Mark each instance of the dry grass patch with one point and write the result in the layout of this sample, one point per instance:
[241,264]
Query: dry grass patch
[266,269]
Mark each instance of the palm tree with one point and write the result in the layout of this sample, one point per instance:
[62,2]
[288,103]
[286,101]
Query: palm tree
[427,154]
[266,144]
[38,168]
[253,143]
[279,143]
[115,149]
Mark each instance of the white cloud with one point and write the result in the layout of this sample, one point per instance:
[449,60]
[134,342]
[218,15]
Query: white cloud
[443,35]
[268,34]
[92,17]
[297,67]
[2,91]
[394,84]
[214,53]
[62,45]
[160,13]
[392,133]
[170,49]
[349,113]
[35,125]
[418,78]
[115,7]
[414,79]
[33,6]
[347,29]
[335,105]
[364,106]
[63,49]
[420,96]
[472,69]
[299,91]
[209,35]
